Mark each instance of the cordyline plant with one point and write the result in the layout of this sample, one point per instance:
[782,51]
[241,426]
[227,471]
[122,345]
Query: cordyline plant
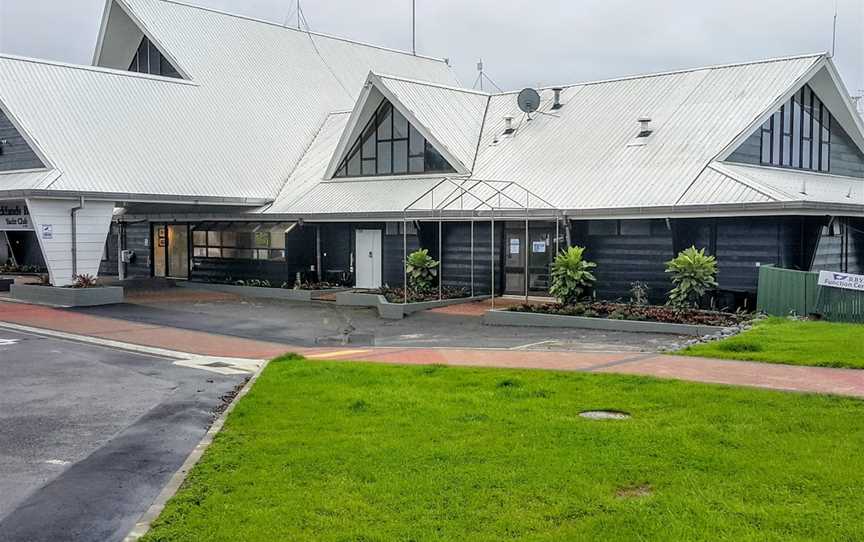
[571,275]
[422,271]
[693,274]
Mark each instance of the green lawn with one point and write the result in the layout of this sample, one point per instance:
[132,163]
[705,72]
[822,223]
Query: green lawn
[795,342]
[350,452]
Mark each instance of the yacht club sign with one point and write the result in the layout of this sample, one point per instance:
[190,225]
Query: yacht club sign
[15,217]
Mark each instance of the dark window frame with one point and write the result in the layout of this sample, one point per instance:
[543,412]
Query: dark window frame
[432,159]
[795,136]
[255,250]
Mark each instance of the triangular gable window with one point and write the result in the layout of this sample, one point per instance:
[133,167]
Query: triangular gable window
[799,135]
[148,59]
[390,145]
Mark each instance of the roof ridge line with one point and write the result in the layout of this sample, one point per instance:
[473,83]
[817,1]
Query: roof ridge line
[292,29]
[98,69]
[431,84]
[675,72]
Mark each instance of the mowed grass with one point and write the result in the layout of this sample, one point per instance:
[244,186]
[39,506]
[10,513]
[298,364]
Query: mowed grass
[361,452]
[794,342]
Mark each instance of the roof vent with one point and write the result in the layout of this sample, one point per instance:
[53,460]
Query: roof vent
[557,99]
[645,128]
[508,125]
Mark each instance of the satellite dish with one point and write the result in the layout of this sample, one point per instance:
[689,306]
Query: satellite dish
[528,100]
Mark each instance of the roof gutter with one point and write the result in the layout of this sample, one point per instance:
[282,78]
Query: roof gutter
[134,198]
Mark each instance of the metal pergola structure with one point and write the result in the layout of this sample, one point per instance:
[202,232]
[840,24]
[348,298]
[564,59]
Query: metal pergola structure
[475,200]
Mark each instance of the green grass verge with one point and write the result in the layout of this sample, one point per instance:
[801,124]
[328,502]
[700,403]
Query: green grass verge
[344,451]
[794,342]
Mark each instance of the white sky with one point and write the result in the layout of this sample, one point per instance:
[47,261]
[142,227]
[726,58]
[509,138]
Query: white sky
[521,42]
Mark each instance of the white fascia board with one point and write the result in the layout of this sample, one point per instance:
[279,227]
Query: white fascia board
[350,128]
[775,105]
[103,26]
[847,115]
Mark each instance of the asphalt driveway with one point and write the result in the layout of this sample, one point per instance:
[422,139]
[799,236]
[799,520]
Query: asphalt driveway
[90,435]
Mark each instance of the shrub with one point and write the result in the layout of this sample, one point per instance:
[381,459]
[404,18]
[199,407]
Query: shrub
[422,270]
[571,275]
[693,274]
[84,281]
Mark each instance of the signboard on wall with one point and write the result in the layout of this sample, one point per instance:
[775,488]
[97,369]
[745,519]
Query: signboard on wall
[844,281]
[14,216]
[47,231]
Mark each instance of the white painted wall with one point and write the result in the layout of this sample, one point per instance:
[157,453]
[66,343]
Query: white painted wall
[93,224]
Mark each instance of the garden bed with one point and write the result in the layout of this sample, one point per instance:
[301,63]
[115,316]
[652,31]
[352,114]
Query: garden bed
[397,295]
[269,292]
[67,297]
[396,310]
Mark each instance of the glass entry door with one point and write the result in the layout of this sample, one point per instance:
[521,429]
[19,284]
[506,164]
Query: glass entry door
[539,252]
[171,251]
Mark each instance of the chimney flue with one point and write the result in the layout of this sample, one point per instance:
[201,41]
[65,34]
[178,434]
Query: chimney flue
[508,125]
[557,103]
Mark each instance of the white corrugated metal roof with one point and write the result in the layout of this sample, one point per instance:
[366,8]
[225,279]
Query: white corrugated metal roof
[799,185]
[259,94]
[390,195]
[715,187]
[26,180]
[454,116]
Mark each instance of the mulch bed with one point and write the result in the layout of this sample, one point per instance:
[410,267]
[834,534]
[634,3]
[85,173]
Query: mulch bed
[645,313]
[397,295]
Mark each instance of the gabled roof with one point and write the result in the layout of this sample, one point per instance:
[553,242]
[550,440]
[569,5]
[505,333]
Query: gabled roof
[578,158]
[256,95]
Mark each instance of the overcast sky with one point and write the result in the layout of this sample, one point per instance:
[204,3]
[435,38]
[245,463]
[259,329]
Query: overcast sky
[522,42]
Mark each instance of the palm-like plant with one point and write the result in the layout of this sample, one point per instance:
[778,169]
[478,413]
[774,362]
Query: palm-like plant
[571,275]
[693,274]
[422,270]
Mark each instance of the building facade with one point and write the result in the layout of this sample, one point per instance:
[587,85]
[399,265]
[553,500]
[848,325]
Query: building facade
[205,146]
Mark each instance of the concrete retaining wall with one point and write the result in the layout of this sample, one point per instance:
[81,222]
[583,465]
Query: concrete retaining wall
[258,291]
[528,319]
[396,311]
[67,297]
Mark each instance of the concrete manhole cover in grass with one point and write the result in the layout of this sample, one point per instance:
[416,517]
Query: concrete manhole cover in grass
[604,415]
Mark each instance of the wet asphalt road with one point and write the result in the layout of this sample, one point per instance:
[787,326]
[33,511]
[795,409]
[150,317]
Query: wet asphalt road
[90,435]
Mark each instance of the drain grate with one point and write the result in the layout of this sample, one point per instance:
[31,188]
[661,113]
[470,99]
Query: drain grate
[604,415]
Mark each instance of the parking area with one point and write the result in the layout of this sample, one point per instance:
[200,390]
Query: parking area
[90,435]
[320,324]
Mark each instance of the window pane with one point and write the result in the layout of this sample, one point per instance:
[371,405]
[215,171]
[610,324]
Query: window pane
[400,125]
[354,168]
[199,252]
[199,238]
[805,155]
[244,254]
[155,60]
[787,150]
[434,161]
[214,253]
[213,239]
[775,140]
[369,143]
[229,239]
[415,164]
[384,165]
[369,167]
[277,255]
[384,127]
[262,239]
[400,157]
[277,239]
[418,144]
[142,56]
[245,239]
[765,157]
[826,163]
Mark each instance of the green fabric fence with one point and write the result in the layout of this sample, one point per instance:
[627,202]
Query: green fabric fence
[784,292]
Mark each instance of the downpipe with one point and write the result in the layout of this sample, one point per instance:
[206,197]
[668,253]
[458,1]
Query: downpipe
[74,217]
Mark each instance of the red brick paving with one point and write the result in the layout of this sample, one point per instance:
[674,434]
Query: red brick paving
[780,377]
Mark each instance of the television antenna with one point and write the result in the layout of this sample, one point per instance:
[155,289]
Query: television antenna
[481,76]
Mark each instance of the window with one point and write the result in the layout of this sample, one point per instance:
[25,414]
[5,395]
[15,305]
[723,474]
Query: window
[238,245]
[148,59]
[799,135]
[390,145]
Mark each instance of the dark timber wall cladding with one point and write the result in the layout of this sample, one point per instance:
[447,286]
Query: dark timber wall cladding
[626,251]
[218,269]
[456,260]
[15,154]
[846,159]
[741,245]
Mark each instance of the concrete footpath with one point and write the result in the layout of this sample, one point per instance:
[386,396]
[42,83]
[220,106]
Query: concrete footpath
[779,377]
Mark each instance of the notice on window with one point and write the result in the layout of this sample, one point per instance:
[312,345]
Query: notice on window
[844,281]
[538,247]
[514,246]
[47,231]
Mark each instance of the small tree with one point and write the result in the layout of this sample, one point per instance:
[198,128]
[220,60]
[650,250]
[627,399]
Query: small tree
[422,270]
[571,275]
[693,274]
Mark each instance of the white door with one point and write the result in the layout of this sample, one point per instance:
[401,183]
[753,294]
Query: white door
[368,251]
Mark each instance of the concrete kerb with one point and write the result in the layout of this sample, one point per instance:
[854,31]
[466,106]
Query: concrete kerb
[397,311]
[144,524]
[287,294]
[67,297]
[529,319]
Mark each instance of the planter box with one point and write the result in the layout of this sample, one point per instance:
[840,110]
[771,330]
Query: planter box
[67,297]
[396,311]
[5,284]
[530,319]
[258,291]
